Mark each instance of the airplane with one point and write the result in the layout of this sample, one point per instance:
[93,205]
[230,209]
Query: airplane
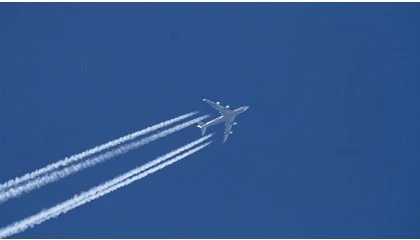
[227,116]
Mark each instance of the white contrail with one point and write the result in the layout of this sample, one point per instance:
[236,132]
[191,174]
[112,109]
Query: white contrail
[77,157]
[96,192]
[59,174]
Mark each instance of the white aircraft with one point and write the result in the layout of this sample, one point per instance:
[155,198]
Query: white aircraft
[227,116]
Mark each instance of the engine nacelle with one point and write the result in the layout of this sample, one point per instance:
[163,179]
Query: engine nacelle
[231,132]
[227,106]
[235,123]
[218,103]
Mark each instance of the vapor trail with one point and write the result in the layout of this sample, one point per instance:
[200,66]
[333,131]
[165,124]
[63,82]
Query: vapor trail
[100,190]
[77,157]
[59,174]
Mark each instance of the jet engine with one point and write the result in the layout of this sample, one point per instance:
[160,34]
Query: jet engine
[227,106]
[218,103]
[231,132]
[235,123]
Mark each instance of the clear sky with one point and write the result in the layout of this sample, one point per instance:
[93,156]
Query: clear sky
[328,148]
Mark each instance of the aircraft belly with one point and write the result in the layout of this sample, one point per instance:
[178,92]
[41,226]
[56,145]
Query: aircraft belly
[215,121]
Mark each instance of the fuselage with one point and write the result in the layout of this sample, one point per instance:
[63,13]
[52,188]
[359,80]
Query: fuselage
[229,116]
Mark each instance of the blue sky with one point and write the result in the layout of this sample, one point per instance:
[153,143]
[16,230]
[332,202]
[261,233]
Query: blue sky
[328,148]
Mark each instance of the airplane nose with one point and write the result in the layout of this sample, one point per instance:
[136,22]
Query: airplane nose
[246,108]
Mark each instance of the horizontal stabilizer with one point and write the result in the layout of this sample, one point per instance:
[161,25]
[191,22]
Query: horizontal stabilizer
[202,127]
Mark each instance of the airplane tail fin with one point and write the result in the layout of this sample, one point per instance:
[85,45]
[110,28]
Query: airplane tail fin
[202,128]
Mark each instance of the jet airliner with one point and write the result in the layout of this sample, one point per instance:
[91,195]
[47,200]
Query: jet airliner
[227,116]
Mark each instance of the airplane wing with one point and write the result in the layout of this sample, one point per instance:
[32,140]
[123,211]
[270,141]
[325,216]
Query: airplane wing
[222,110]
[228,127]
